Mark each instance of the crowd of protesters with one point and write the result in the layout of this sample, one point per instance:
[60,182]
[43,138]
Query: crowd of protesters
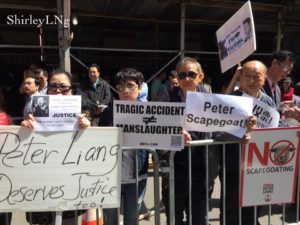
[270,84]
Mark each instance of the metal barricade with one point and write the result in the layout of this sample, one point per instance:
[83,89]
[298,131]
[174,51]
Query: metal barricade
[170,171]
[223,199]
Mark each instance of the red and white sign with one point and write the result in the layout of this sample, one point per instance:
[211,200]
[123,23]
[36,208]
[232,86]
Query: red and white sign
[270,167]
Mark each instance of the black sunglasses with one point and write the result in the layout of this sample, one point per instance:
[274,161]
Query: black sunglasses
[182,75]
[62,88]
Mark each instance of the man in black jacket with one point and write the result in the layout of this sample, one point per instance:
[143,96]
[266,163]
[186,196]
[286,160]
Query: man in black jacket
[95,94]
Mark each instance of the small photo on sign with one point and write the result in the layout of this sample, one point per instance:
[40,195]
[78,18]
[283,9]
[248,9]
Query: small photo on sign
[40,106]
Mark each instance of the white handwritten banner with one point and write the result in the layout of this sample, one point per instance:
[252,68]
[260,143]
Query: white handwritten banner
[48,171]
[150,124]
[269,167]
[56,112]
[266,116]
[215,112]
[236,38]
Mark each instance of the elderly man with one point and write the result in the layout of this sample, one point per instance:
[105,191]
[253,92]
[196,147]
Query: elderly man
[282,64]
[189,75]
[95,94]
[252,77]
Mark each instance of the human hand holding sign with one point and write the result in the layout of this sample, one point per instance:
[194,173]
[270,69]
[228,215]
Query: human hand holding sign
[251,125]
[186,136]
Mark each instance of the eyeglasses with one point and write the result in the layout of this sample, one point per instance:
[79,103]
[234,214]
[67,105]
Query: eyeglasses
[286,68]
[62,88]
[128,87]
[182,75]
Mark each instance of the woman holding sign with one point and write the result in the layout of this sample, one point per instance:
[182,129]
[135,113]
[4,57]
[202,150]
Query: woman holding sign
[59,84]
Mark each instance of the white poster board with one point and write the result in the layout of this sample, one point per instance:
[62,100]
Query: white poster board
[216,112]
[56,112]
[269,167]
[150,125]
[266,116]
[56,171]
[236,38]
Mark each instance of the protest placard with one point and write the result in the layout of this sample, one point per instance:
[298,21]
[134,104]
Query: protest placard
[269,167]
[56,171]
[150,125]
[216,112]
[266,116]
[56,112]
[236,38]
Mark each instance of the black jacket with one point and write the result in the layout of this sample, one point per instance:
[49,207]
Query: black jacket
[92,96]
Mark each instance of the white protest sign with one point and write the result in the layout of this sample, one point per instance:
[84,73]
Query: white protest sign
[56,112]
[216,112]
[266,116]
[150,124]
[296,100]
[236,38]
[269,167]
[56,171]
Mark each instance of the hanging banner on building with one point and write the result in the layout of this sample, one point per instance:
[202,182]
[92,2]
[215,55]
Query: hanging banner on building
[216,112]
[266,116]
[57,171]
[150,125]
[236,38]
[269,167]
[56,112]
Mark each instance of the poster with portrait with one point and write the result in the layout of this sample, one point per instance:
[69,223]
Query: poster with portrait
[56,112]
[236,38]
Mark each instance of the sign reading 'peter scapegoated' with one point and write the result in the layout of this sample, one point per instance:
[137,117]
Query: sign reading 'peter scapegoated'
[56,112]
[150,124]
[49,171]
[266,116]
[215,112]
[236,38]
[269,167]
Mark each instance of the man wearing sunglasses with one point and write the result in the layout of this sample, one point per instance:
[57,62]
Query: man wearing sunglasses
[282,64]
[189,76]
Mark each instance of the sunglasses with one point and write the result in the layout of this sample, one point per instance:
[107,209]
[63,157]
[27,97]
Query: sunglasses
[62,88]
[182,75]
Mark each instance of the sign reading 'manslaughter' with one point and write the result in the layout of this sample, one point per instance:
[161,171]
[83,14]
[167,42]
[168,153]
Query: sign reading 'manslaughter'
[49,171]
[150,124]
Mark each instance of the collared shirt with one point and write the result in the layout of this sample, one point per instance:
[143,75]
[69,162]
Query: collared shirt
[44,90]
